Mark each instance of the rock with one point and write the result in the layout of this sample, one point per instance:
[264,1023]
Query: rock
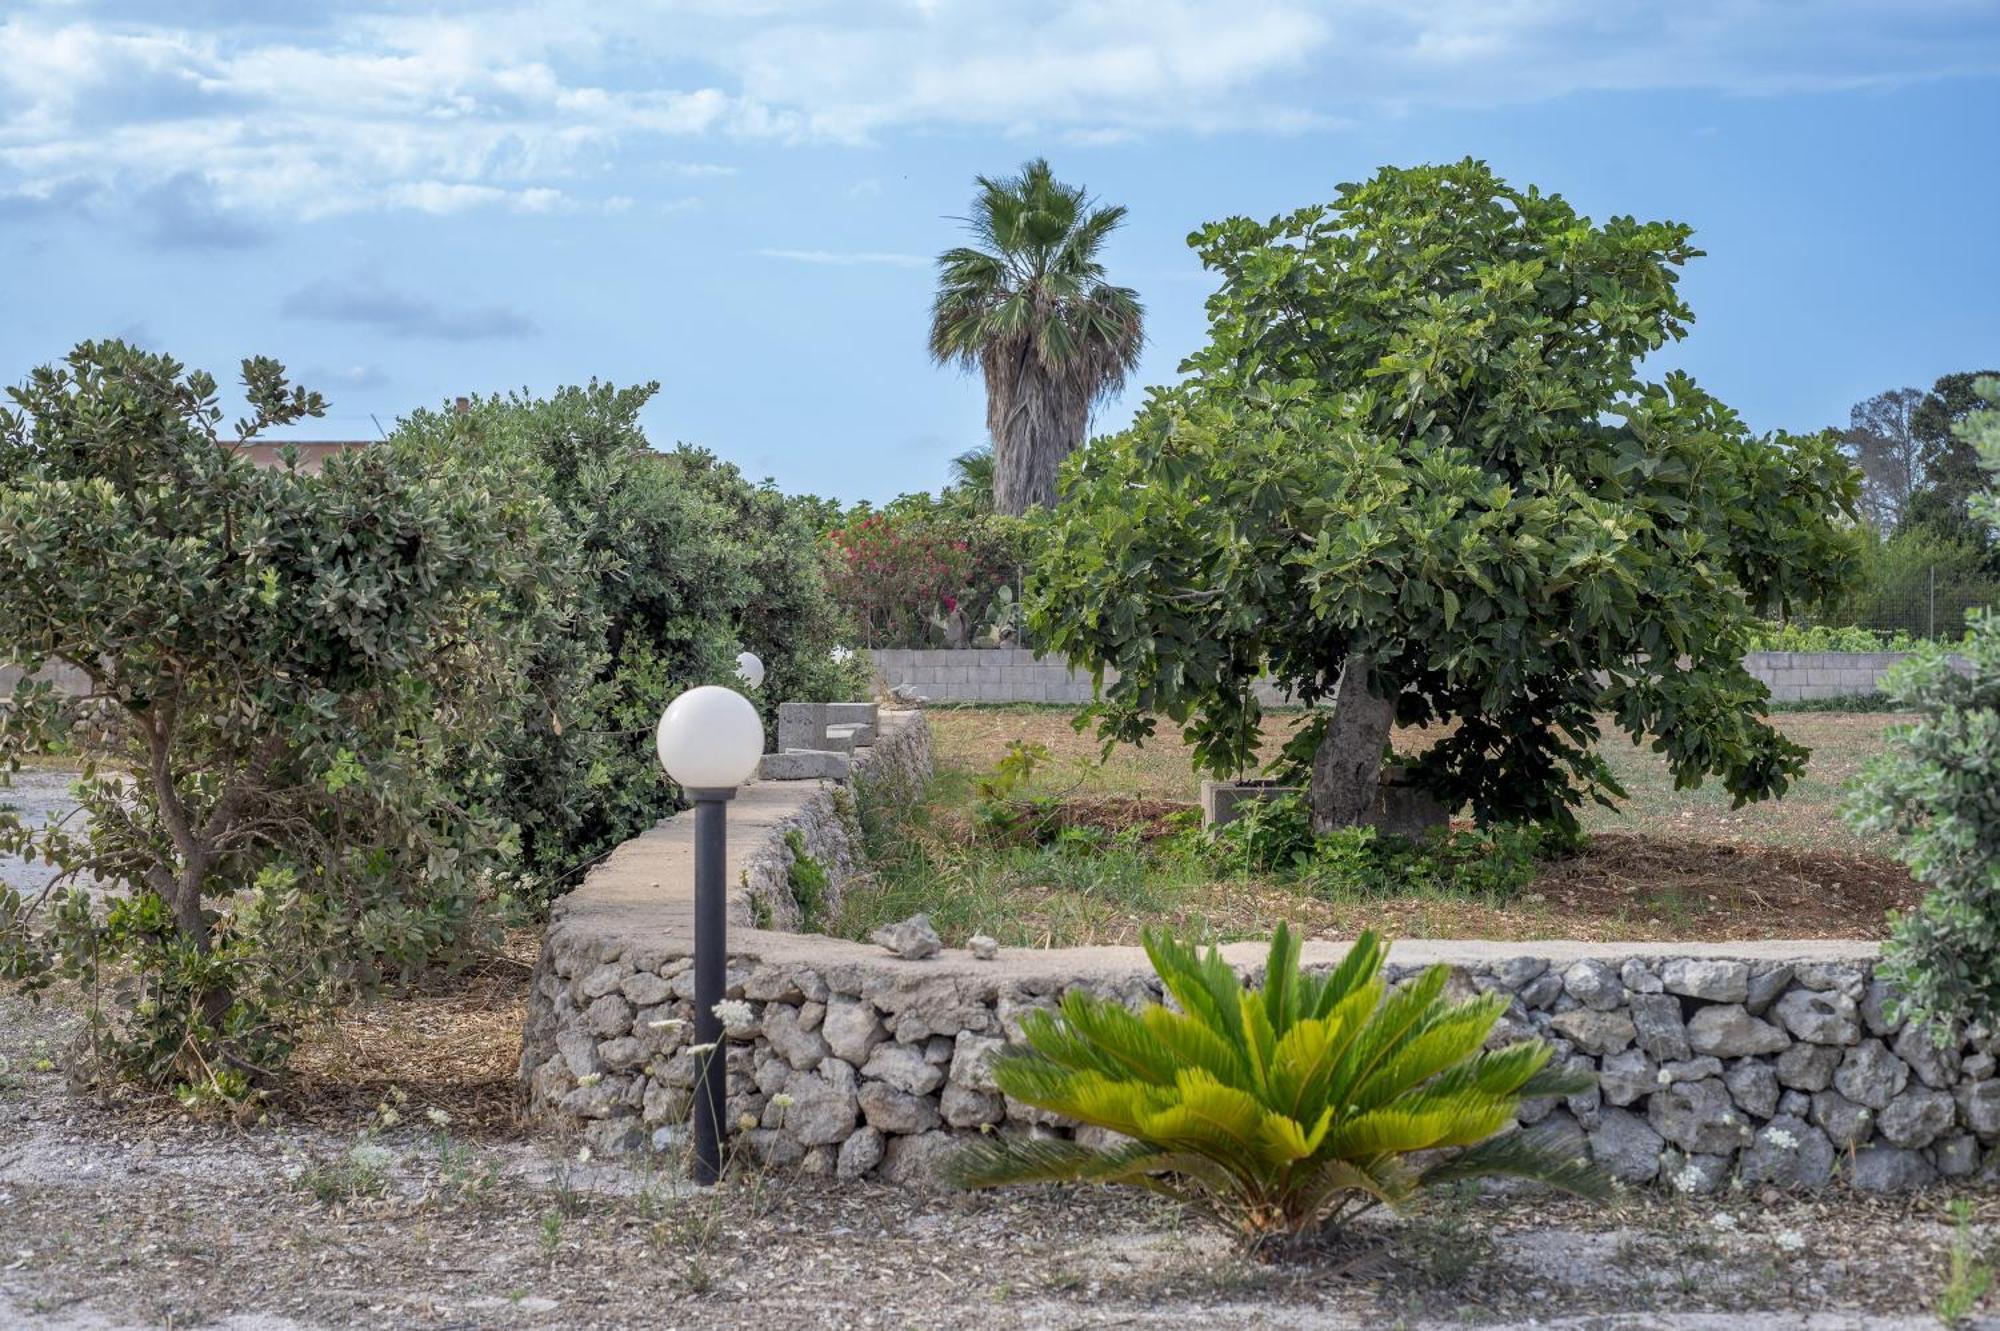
[1661,1032]
[1698,1117]
[1808,1067]
[1517,973]
[1958,1157]
[972,1061]
[824,1104]
[904,1068]
[579,1052]
[1884,1169]
[1636,977]
[1594,984]
[918,1162]
[775,1148]
[1981,1101]
[614,1136]
[1713,981]
[1845,1123]
[1870,1075]
[623,1054]
[1627,1076]
[895,1111]
[1765,987]
[1594,1031]
[1935,1065]
[644,989]
[1728,1031]
[964,1107]
[1832,975]
[601,1098]
[1625,1147]
[601,980]
[860,1153]
[1789,1153]
[608,1016]
[1540,993]
[984,947]
[664,1104]
[1978,1067]
[852,1029]
[1753,1084]
[1917,1117]
[802,1049]
[1820,1016]
[913,939]
[1697,1175]
[1876,1005]
[1689,1069]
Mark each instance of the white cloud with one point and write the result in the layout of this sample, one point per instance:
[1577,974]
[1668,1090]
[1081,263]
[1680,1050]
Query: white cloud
[545,106]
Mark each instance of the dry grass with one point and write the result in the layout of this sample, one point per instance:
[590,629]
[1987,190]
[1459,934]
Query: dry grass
[452,1044]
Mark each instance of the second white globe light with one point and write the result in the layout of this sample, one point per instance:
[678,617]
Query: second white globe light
[750,670]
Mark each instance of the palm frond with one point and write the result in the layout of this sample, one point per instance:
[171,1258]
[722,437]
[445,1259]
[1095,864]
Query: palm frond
[1538,1156]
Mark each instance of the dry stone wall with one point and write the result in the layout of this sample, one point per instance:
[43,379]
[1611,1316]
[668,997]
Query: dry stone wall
[1776,1063]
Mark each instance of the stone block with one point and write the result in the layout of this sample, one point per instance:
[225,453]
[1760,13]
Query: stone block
[804,765]
[1221,801]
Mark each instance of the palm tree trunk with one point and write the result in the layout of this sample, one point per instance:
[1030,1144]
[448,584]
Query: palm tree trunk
[1347,766]
[1035,422]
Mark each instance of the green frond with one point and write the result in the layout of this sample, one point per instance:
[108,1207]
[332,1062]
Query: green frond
[1542,1157]
[1194,1043]
[1281,980]
[1361,965]
[996,1161]
[1447,1039]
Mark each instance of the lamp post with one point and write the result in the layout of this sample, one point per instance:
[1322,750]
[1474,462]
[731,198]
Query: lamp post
[709,741]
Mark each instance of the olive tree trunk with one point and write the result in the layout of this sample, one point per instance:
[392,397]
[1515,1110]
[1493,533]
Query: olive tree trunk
[1347,766]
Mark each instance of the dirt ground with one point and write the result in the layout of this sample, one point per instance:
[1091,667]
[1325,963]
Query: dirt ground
[136,1216]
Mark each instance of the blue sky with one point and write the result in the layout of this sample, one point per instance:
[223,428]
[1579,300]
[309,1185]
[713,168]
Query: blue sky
[740,198]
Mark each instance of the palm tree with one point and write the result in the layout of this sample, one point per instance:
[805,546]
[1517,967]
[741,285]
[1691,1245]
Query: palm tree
[972,476]
[1029,305]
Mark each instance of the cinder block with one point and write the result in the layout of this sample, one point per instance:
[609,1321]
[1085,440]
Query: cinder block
[852,713]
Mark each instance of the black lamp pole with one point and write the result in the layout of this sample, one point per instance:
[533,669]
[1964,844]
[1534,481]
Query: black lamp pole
[711,966]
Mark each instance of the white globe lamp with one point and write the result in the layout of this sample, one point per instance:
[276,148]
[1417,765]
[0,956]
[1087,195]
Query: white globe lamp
[710,738]
[750,670]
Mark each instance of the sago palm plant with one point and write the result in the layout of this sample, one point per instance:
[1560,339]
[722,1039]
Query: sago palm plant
[1281,1110]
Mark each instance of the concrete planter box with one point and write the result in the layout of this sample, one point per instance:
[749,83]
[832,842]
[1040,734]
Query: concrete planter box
[1400,808]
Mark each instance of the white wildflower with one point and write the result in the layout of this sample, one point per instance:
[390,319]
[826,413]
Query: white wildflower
[388,1116]
[583,1155]
[590,1079]
[782,1101]
[1723,1220]
[1666,1078]
[700,1049]
[1782,1139]
[1789,1240]
[735,1012]
[1688,1179]
[438,1118]
[666,1024]
[368,1155]
[746,1122]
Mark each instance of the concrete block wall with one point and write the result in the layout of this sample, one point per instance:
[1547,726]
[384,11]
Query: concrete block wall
[1019,675]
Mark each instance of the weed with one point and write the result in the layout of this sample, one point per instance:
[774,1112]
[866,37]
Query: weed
[1969,1275]
[808,881]
[362,1172]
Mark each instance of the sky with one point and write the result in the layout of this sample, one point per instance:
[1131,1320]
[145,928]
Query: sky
[742,199]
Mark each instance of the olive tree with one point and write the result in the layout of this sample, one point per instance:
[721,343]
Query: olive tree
[1938,785]
[305,675]
[1416,472]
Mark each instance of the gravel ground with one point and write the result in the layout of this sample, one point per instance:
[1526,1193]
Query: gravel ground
[134,1215]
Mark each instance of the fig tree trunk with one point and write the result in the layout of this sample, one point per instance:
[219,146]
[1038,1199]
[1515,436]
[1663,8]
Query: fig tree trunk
[1347,766]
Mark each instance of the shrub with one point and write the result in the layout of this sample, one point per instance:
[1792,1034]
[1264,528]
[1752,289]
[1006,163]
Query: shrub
[926,572]
[311,672]
[1769,637]
[1284,1110]
[685,564]
[1939,787]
